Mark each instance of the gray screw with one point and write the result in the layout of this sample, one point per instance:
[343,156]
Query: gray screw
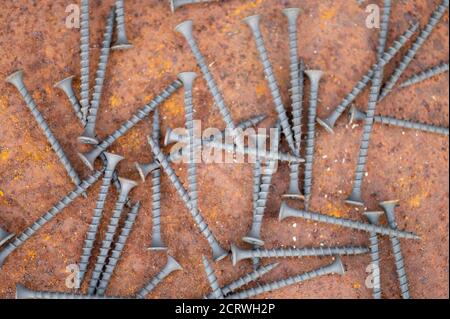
[112,161]
[89,136]
[357,115]
[89,158]
[84,57]
[4,236]
[48,216]
[117,250]
[122,41]
[409,56]
[218,252]
[16,79]
[314,77]
[185,28]
[257,172]
[127,186]
[25,293]
[334,268]
[171,266]
[66,86]
[389,208]
[286,211]
[373,218]
[424,75]
[355,196]
[212,279]
[388,55]
[241,254]
[253,23]
[174,4]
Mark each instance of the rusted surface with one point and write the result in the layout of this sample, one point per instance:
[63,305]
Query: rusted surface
[407,165]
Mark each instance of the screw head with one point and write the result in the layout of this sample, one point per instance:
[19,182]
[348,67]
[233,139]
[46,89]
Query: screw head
[374,217]
[325,124]
[252,21]
[188,79]
[15,79]
[65,84]
[185,28]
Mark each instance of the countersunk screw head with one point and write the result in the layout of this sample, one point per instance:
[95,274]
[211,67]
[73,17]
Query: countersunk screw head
[126,185]
[356,115]
[338,267]
[16,79]
[291,13]
[185,28]
[145,169]
[374,217]
[188,79]
[89,158]
[252,21]
[65,84]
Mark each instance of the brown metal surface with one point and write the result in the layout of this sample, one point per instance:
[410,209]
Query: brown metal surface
[403,164]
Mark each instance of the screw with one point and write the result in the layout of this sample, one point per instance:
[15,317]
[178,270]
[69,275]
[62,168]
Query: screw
[357,115]
[84,57]
[212,279]
[286,211]
[127,186]
[334,268]
[5,236]
[117,251]
[409,56]
[89,158]
[122,41]
[185,28]
[25,293]
[388,55]
[48,216]
[112,161]
[89,136]
[257,171]
[253,23]
[389,207]
[373,218]
[424,75]
[314,77]
[241,254]
[16,79]
[171,266]
[66,86]
[218,252]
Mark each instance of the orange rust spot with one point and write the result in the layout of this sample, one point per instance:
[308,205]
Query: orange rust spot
[4,155]
[261,89]
[356,285]
[114,101]
[245,7]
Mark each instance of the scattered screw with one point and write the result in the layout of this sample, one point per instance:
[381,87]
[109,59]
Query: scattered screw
[4,236]
[16,79]
[127,186]
[373,218]
[84,57]
[89,158]
[171,266]
[409,56]
[112,161]
[117,251]
[25,293]
[66,86]
[212,279]
[389,207]
[334,268]
[357,115]
[424,75]
[122,41]
[286,211]
[218,252]
[48,216]
[89,136]
[388,55]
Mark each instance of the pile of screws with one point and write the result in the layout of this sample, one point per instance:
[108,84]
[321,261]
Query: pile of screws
[119,227]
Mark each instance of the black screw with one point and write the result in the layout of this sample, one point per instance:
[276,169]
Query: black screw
[122,41]
[4,236]
[66,86]
[25,293]
[373,218]
[84,57]
[424,75]
[212,279]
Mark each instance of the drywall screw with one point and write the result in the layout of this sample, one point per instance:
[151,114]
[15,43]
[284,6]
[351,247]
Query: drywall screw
[355,196]
[389,207]
[424,75]
[91,235]
[388,55]
[174,4]
[212,279]
[185,28]
[16,79]
[171,266]
[48,216]
[89,136]
[117,250]
[286,211]
[373,218]
[257,171]
[253,23]
[334,268]
[239,254]
[314,77]
[357,115]
[409,56]
[89,158]
[84,57]
[121,41]
[66,86]
[127,186]
[218,252]
[25,293]
[4,236]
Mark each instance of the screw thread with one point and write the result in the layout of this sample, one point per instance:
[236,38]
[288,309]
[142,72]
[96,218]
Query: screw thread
[84,56]
[31,294]
[70,93]
[408,57]
[257,171]
[48,216]
[424,75]
[212,279]
[253,121]
[375,261]
[120,18]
